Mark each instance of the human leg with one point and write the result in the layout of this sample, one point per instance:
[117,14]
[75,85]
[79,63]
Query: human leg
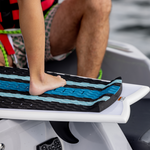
[84,25]
[32,26]
[93,38]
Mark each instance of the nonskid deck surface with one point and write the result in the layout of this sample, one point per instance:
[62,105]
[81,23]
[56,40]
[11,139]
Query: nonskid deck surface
[79,94]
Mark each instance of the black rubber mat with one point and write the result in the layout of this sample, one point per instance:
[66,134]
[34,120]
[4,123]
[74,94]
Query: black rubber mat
[79,94]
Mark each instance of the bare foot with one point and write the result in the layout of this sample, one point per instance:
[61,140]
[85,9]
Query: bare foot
[48,82]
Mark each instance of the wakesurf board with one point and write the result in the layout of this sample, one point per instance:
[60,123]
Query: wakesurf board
[81,99]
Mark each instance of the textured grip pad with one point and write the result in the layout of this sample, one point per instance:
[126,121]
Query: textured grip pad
[79,94]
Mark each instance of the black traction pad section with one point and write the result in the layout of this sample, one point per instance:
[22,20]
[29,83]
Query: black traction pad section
[79,94]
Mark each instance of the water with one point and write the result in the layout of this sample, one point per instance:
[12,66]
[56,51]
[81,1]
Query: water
[130,23]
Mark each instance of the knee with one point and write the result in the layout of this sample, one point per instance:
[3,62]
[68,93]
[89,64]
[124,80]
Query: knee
[101,7]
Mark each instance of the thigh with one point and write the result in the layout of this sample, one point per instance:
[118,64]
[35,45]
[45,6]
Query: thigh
[65,26]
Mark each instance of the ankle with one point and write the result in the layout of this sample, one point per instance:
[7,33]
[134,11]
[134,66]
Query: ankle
[37,78]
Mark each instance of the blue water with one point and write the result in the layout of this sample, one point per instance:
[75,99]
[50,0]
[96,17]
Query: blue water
[130,23]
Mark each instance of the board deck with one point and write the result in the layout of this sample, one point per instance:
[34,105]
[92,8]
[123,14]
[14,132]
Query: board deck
[74,106]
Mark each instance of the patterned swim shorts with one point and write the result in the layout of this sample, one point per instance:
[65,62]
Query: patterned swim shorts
[18,43]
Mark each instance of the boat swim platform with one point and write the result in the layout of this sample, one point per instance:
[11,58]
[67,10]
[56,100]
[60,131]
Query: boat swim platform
[108,135]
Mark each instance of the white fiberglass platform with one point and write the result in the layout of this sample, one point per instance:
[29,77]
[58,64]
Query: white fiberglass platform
[26,135]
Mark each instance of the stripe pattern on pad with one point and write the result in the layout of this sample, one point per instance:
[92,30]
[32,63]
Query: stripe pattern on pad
[79,94]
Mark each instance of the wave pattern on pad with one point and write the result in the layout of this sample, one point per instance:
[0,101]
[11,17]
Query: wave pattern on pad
[79,94]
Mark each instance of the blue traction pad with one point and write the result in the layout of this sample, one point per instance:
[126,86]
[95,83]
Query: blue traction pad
[79,94]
